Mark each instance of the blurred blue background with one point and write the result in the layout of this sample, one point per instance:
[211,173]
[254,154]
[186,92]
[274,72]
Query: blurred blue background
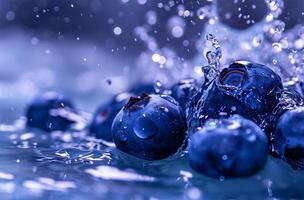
[92,49]
[76,46]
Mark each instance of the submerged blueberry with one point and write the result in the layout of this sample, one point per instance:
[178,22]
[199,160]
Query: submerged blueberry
[50,112]
[184,90]
[288,140]
[233,147]
[150,127]
[244,88]
[102,120]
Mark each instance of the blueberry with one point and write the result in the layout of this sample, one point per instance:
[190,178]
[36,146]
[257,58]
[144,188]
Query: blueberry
[149,127]
[289,99]
[233,147]
[243,88]
[50,112]
[101,124]
[288,140]
[102,120]
[183,91]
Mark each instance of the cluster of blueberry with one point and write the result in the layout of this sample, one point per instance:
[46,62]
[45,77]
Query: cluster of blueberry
[228,125]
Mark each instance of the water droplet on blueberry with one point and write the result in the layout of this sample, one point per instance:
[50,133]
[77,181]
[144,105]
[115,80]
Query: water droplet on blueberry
[145,128]
[122,136]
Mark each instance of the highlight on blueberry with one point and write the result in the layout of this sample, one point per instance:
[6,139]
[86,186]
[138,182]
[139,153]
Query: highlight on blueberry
[51,112]
[150,127]
[232,147]
[184,90]
[244,88]
[288,141]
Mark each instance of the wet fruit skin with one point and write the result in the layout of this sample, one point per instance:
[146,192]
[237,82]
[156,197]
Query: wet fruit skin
[50,112]
[233,147]
[184,90]
[101,123]
[102,120]
[150,127]
[243,88]
[288,140]
[288,100]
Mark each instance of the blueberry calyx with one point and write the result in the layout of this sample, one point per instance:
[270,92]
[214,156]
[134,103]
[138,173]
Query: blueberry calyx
[135,103]
[233,77]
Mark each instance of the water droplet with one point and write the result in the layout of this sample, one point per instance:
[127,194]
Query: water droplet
[10,15]
[158,87]
[165,109]
[204,12]
[213,57]
[194,193]
[117,30]
[257,41]
[145,128]
[151,17]
[122,136]
[176,26]
[251,137]
[277,47]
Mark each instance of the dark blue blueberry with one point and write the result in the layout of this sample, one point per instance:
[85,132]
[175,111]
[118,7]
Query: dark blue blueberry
[184,90]
[288,140]
[150,127]
[50,112]
[105,114]
[102,120]
[248,89]
[289,99]
[233,147]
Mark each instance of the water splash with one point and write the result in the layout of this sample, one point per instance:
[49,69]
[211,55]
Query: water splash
[213,57]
